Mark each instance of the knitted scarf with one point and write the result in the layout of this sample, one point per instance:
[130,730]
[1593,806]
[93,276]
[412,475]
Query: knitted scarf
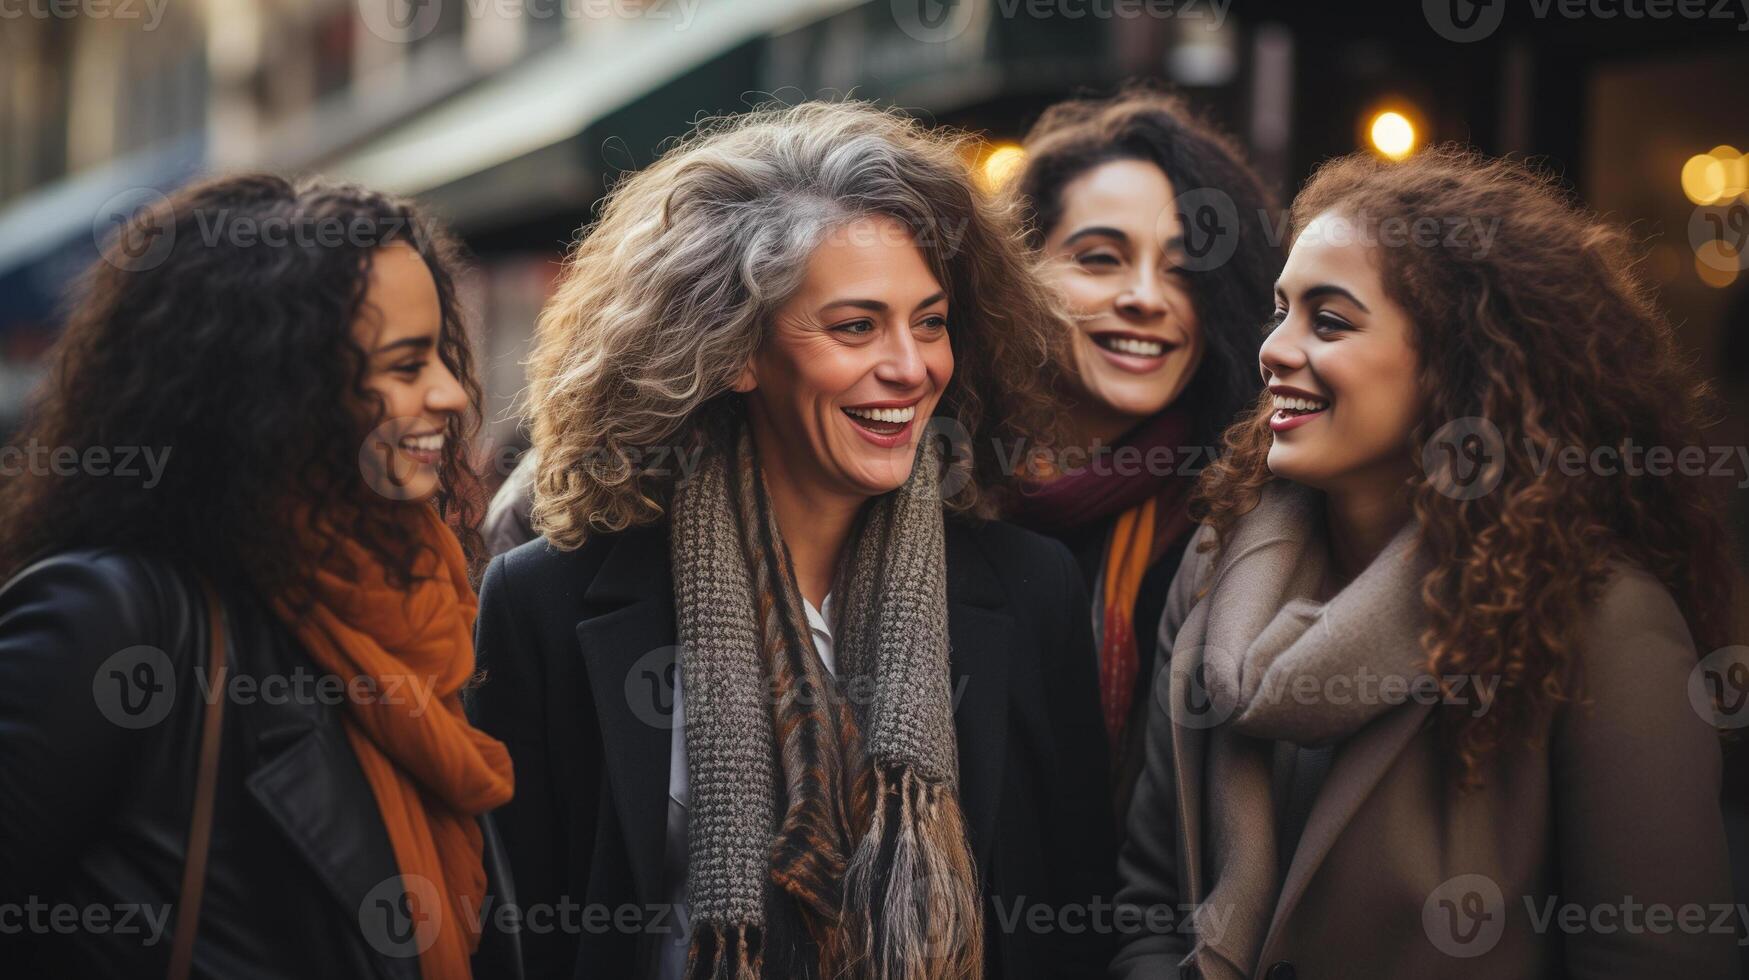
[1258,633]
[432,772]
[840,811]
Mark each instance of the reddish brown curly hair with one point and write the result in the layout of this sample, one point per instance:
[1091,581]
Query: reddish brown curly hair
[1546,332]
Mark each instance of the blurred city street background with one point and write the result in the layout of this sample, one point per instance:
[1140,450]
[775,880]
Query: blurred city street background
[509,117]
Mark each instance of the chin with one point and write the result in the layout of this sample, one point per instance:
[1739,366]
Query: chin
[874,475]
[1290,464]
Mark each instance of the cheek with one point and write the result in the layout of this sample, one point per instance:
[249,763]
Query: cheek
[938,356]
[1381,396]
[1083,293]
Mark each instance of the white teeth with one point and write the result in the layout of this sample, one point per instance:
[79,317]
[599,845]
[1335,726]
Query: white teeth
[1129,345]
[1294,404]
[894,415]
[423,444]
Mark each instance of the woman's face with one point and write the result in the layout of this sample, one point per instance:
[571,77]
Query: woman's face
[1341,366]
[398,329]
[1114,260]
[854,364]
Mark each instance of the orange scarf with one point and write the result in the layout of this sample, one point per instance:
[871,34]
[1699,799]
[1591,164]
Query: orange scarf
[411,650]
[1138,539]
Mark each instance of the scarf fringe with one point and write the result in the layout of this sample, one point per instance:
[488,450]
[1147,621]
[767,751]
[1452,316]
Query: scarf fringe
[744,945]
[916,914]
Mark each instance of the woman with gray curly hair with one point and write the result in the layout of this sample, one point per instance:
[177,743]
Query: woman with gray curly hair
[783,701]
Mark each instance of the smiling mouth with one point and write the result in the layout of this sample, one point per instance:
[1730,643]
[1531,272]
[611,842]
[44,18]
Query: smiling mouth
[1289,406]
[883,421]
[425,448]
[1132,345]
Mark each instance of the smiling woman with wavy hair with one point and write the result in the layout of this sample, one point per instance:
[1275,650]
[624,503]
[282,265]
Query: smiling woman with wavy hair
[1489,649]
[819,705]
[625,375]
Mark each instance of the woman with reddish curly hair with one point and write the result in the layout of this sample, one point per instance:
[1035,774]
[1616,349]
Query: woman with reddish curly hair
[1428,710]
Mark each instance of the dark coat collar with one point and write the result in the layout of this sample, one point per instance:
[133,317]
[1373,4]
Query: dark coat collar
[301,769]
[627,639]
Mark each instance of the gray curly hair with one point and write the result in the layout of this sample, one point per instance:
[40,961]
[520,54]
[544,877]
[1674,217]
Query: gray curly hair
[663,302]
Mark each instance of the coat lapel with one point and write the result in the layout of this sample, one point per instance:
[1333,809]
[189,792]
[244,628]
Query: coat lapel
[305,776]
[1354,773]
[1188,701]
[980,632]
[627,642]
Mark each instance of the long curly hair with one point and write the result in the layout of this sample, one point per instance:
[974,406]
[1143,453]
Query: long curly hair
[1139,123]
[216,331]
[1542,329]
[665,299]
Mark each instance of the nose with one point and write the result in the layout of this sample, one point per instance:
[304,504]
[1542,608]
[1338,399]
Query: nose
[901,359]
[446,394]
[1143,299]
[1282,353]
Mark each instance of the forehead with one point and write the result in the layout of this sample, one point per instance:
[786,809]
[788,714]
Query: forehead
[869,255]
[1331,248]
[403,298]
[1133,196]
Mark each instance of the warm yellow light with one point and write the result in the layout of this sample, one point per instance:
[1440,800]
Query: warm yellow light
[1736,170]
[1703,178]
[1716,264]
[1393,135]
[1002,164]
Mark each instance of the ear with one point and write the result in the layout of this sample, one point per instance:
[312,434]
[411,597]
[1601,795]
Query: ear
[746,381]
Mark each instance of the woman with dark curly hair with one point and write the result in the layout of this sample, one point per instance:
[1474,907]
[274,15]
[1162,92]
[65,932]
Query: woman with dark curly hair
[295,359]
[770,681]
[1429,694]
[1153,227]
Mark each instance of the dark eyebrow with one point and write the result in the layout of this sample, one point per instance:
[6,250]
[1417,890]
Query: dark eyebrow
[1092,230]
[417,343]
[1325,289]
[876,306]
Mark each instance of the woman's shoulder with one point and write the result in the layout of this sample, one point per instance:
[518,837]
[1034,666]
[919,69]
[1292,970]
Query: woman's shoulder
[1632,608]
[125,585]
[1004,543]
[68,611]
[541,572]
[1035,571]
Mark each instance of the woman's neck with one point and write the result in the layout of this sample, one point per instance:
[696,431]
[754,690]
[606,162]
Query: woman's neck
[815,523]
[1090,422]
[1360,523]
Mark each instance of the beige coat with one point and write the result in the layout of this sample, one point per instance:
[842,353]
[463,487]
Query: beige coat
[1600,853]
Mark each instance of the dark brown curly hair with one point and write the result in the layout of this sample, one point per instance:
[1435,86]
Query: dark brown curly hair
[1546,332]
[226,341]
[1141,123]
